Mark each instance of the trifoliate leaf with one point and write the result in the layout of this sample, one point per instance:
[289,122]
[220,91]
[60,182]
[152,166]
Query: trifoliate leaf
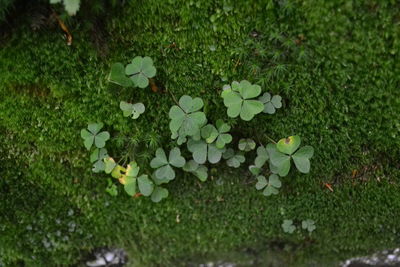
[163,165]
[140,71]
[288,226]
[246,144]
[92,135]
[187,119]
[133,110]
[270,104]
[232,159]
[309,225]
[238,100]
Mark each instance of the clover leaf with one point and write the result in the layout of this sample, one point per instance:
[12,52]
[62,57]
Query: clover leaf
[200,171]
[110,166]
[288,226]
[223,136]
[186,119]
[271,186]
[220,134]
[309,225]
[282,153]
[93,136]
[140,71]
[97,157]
[131,181]
[133,110]
[164,171]
[232,159]
[159,193]
[246,144]
[118,76]
[202,151]
[238,98]
[271,103]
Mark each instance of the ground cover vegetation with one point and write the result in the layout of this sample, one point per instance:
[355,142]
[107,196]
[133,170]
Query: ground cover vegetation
[335,65]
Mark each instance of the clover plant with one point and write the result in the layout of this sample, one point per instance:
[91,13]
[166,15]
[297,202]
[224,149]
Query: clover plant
[285,150]
[200,171]
[140,71]
[206,142]
[271,186]
[203,152]
[186,119]
[232,159]
[246,144]
[93,135]
[135,74]
[219,134]
[308,225]
[270,103]
[163,165]
[133,110]
[288,226]
[239,99]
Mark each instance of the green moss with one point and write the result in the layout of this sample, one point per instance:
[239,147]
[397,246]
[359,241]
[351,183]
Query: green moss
[334,63]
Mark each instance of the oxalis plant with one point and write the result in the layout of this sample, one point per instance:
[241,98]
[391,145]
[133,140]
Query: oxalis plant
[199,142]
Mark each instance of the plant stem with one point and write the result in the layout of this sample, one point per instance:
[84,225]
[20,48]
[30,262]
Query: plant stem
[173,97]
[270,139]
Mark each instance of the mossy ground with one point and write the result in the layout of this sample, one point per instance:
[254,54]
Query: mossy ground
[335,63]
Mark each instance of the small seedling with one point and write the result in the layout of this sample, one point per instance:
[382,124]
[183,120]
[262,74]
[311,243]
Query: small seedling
[92,135]
[200,171]
[133,110]
[239,99]
[246,144]
[285,150]
[164,171]
[232,159]
[271,186]
[140,71]
[271,103]
[288,226]
[309,225]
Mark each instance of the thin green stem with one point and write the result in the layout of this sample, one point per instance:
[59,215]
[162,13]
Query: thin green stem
[173,97]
